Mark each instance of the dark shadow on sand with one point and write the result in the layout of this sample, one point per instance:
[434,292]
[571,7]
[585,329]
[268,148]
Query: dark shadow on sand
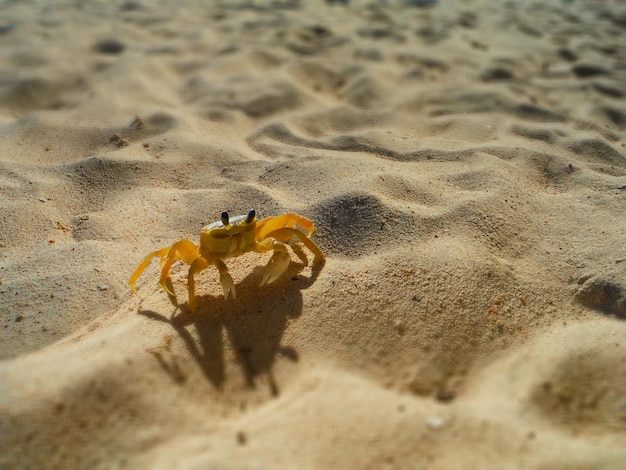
[254,324]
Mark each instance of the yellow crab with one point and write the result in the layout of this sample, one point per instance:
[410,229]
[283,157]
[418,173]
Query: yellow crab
[230,237]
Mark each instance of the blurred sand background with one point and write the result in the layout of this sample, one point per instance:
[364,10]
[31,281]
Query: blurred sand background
[464,163]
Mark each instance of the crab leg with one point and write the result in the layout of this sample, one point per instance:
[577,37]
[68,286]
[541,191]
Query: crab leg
[226,280]
[182,250]
[265,227]
[199,264]
[162,253]
[285,234]
[278,263]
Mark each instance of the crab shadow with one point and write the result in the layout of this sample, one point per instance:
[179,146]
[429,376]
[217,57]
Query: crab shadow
[253,325]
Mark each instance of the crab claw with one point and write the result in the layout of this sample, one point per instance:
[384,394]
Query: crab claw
[276,266]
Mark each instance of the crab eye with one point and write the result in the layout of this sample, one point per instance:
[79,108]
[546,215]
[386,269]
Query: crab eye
[225,219]
[250,216]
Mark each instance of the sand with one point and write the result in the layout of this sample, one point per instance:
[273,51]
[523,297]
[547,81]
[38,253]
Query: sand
[465,167]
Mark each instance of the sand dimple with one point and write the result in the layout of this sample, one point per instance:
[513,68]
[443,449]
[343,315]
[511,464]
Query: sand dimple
[38,138]
[596,150]
[592,408]
[464,166]
[356,223]
[254,96]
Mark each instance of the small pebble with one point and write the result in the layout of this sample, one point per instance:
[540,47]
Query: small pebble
[110,46]
[103,287]
[435,422]
[497,73]
[242,439]
[445,396]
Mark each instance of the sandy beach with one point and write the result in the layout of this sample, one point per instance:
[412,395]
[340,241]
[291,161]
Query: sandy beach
[464,164]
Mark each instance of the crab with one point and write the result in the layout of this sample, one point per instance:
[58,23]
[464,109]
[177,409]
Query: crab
[230,237]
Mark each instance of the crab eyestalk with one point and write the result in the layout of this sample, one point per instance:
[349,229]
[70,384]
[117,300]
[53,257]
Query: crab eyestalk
[250,216]
[225,218]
